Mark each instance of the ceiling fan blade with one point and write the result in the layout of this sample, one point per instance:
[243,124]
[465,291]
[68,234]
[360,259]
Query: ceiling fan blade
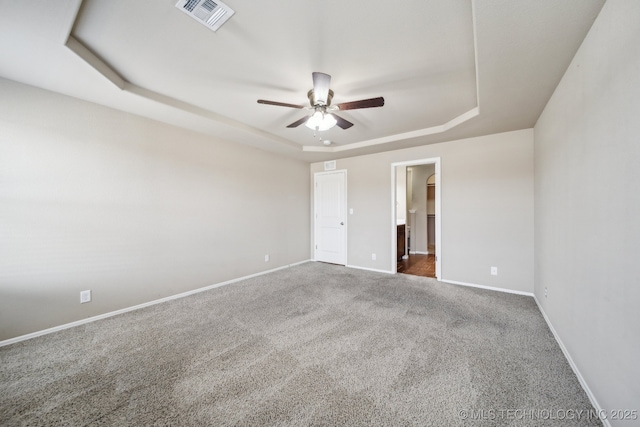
[279,104]
[321,83]
[364,103]
[298,122]
[342,123]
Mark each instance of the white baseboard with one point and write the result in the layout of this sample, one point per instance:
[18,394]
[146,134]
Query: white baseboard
[361,268]
[418,253]
[139,306]
[369,269]
[490,288]
[288,266]
[574,367]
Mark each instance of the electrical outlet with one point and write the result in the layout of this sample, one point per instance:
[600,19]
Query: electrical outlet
[266,258]
[494,271]
[85,296]
[373,257]
[545,291]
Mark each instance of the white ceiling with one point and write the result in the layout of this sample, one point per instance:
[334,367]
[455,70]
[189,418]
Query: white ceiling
[448,69]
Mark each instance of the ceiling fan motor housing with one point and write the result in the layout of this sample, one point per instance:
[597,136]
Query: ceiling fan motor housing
[312,98]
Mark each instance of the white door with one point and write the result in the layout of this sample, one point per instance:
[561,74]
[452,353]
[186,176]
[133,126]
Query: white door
[331,217]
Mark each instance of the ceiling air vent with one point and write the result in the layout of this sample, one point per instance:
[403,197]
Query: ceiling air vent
[210,13]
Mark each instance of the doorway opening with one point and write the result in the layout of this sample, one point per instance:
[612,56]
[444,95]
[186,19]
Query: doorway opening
[416,217]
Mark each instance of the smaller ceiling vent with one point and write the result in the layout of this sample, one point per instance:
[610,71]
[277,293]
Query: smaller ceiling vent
[210,13]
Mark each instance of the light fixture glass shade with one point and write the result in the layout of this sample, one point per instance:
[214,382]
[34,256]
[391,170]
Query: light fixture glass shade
[320,121]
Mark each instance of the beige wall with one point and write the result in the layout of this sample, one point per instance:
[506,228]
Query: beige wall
[587,239]
[135,210]
[487,208]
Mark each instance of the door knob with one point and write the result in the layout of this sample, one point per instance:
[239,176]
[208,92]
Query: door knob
[342,223]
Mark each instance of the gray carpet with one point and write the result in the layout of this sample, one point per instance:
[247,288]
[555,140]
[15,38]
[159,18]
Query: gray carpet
[316,344]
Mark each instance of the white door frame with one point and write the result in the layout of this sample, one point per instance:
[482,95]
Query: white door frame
[394,214]
[315,211]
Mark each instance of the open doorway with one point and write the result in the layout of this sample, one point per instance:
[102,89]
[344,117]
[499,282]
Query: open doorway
[416,217]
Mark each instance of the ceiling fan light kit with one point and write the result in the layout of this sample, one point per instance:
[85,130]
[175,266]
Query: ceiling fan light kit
[320,98]
[320,121]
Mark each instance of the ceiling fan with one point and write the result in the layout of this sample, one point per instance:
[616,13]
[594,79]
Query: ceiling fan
[323,116]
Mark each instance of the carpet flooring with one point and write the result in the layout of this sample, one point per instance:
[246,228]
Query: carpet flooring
[315,344]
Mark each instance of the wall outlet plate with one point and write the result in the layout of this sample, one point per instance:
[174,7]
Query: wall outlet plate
[85,296]
[494,271]
[373,257]
[266,258]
